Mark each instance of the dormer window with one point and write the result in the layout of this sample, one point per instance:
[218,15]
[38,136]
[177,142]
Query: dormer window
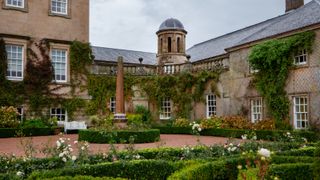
[59,7]
[300,57]
[15,3]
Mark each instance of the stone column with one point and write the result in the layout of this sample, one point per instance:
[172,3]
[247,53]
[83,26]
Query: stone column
[120,116]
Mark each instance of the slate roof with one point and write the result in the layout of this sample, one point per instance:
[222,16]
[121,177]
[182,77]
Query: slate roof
[129,56]
[308,14]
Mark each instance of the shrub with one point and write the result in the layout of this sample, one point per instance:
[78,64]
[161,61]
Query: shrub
[181,122]
[291,159]
[140,136]
[291,171]
[135,120]
[144,112]
[8,117]
[316,164]
[12,132]
[34,123]
[83,178]
[145,169]
[174,130]
[236,122]
[266,124]
[307,151]
[211,123]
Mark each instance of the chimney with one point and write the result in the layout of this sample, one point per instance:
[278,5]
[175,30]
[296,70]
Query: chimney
[293,4]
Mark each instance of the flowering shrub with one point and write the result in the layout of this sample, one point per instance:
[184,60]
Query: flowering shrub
[288,137]
[213,122]
[236,122]
[64,149]
[266,124]
[8,117]
[196,128]
[249,136]
[181,122]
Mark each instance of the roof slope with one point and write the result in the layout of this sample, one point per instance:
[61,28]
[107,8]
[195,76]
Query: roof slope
[306,15]
[129,56]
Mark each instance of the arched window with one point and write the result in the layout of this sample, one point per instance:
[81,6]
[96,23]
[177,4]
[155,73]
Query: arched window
[169,44]
[178,44]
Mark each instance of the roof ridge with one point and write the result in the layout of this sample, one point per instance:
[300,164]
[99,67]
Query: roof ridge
[242,29]
[123,49]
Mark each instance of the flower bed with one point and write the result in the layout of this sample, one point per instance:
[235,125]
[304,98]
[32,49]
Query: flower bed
[120,136]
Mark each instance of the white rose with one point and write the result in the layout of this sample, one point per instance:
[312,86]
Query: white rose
[19,173]
[74,158]
[58,144]
[61,155]
[264,152]
[233,149]
[64,159]
[75,142]
[82,148]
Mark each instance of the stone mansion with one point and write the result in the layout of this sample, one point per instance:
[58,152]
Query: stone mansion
[25,21]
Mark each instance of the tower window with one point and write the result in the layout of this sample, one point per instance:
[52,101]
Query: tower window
[161,43]
[169,44]
[178,44]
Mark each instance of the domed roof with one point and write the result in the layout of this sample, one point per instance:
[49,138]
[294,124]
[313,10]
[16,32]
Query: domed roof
[171,24]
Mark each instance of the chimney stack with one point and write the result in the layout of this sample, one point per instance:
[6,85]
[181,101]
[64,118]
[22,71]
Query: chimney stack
[293,4]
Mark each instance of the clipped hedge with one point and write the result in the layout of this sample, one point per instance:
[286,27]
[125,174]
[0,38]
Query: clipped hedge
[222,169]
[13,132]
[272,135]
[291,159]
[299,171]
[120,136]
[84,178]
[307,151]
[144,169]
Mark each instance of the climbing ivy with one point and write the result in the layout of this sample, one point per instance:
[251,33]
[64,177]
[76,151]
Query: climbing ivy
[273,60]
[182,89]
[34,89]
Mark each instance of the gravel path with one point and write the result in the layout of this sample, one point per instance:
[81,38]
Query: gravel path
[13,145]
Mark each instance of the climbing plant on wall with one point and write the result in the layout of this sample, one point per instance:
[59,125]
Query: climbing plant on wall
[273,59]
[182,89]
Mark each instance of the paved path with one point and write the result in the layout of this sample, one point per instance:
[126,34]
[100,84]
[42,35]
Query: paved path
[13,145]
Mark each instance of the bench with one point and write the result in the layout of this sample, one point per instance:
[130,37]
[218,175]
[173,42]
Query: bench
[73,125]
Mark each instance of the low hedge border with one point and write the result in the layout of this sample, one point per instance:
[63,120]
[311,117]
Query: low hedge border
[272,135]
[14,132]
[307,151]
[84,178]
[121,136]
[299,171]
[144,169]
[291,159]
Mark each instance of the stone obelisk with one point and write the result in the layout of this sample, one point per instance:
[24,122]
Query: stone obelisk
[120,119]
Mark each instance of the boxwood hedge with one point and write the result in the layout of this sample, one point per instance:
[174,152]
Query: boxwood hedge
[13,132]
[143,169]
[120,136]
[236,133]
[299,171]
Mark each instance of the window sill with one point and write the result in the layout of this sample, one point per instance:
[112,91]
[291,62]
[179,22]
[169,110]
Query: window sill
[25,9]
[15,79]
[67,16]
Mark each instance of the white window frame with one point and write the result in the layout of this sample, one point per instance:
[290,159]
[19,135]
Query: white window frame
[211,105]
[66,65]
[59,12]
[169,69]
[256,106]
[301,55]
[166,109]
[59,115]
[10,77]
[113,105]
[15,5]
[20,113]
[301,112]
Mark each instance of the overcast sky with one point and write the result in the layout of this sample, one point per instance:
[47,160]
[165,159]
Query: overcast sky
[132,24]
